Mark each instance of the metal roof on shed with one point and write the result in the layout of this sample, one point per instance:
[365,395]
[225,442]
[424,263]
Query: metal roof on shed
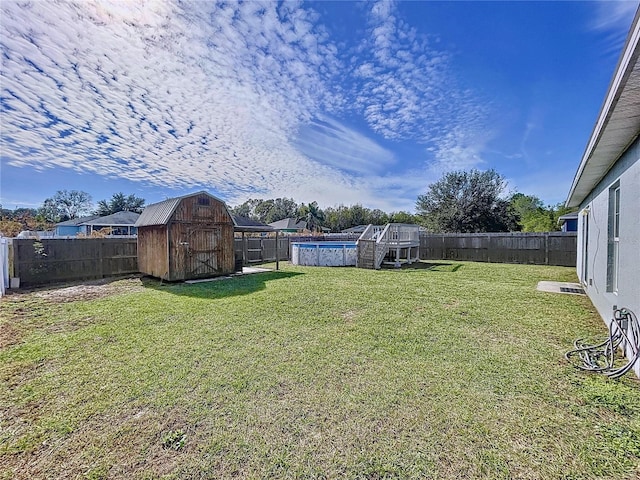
[160,213]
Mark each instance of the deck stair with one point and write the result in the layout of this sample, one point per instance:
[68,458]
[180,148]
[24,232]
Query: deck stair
[377,241]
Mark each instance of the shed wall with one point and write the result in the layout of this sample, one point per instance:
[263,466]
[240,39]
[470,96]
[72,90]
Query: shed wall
[200,251]
[200,239]
[153,252]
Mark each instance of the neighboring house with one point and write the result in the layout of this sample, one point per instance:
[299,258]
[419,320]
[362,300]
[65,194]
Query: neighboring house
[569,222]
[606,188]
[73,227]
[289,225]
[120,223]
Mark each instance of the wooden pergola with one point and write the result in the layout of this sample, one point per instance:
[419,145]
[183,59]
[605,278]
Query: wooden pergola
[245,225]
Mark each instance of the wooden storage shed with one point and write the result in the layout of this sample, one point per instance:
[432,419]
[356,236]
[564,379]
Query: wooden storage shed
[186,238]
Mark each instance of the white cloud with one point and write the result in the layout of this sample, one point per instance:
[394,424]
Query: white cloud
[155,93]
[242,98]
[614,19]
[328,141]
[406,90]
[614,15]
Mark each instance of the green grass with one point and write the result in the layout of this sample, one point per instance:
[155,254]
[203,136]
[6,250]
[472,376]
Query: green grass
[450,371]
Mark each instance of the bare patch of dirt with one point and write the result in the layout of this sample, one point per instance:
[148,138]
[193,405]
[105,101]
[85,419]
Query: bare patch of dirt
[9,335]
[70,326]
[25,310]
[349,316]
[17,373]
[90,290]
[452,304]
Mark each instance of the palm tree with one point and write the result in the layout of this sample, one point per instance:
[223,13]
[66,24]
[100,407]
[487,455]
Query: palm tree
[312,215]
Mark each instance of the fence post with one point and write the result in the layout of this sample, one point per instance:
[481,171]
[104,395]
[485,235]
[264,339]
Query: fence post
[245,250]
[546,248]
[101,259]
[277,252]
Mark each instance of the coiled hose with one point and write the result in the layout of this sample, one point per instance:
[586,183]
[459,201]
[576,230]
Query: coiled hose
[624,333]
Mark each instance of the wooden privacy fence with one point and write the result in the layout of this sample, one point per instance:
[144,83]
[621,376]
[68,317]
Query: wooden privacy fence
[548,248]
[261,249]
[39,262]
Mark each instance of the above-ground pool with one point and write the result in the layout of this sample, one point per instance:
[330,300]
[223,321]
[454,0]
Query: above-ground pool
[324,254]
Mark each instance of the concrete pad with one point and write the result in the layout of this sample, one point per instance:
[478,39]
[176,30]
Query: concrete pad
[245,271]
[561,287]
[250,270]
[212,279]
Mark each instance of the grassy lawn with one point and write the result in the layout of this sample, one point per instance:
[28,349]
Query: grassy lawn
[450,371]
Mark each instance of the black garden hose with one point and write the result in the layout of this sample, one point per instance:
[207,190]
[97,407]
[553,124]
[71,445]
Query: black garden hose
[624,333]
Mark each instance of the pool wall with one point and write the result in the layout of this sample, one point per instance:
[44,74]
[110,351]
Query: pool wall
[324,254]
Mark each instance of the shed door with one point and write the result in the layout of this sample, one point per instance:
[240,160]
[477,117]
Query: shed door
[203,253]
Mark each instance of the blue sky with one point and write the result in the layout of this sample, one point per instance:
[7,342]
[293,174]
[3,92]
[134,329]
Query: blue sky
[338,102]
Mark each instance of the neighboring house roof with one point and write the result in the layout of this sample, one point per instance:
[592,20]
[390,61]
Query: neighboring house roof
[118,219]
[74,222]
[245,224]
[160,213]
[569,216]
[618,123]
[289,224]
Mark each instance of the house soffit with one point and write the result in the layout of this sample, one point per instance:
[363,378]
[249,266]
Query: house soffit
[618,124]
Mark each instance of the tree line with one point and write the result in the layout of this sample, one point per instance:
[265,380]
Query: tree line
[335,219]
[461,201]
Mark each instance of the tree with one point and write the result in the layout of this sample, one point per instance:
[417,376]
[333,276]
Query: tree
[402,217]
[10,228]
[312,215]
[65,205]
[338,218]
[533,216]
[247,208]
[120,203]
[27,218]
[377,217]
[467,202]
[269,211]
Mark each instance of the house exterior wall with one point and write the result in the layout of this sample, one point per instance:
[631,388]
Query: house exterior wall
[594,239]
[116,230]
[68,230]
